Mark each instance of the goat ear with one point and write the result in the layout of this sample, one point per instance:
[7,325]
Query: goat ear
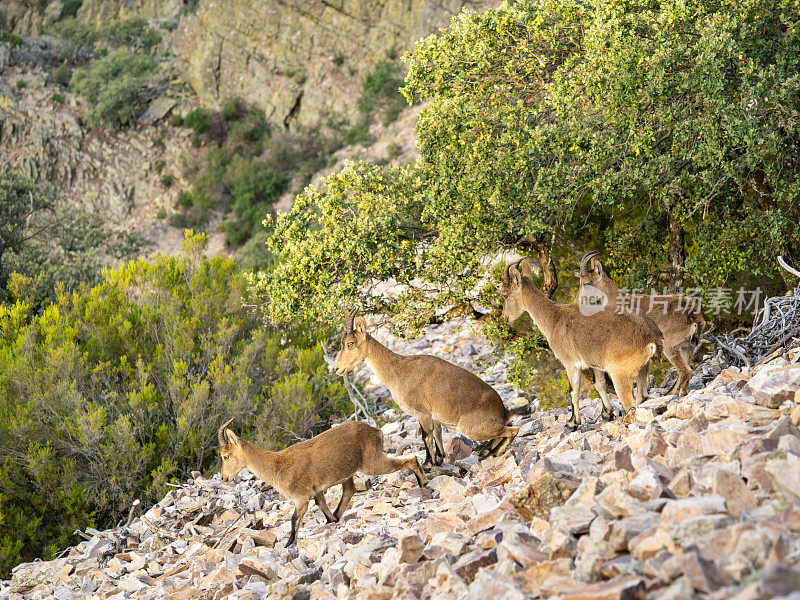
[514,275]
[360,327]
[597,266]
[525,267]
[233,440]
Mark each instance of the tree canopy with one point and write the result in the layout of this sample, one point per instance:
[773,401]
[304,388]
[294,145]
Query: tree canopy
[665,134]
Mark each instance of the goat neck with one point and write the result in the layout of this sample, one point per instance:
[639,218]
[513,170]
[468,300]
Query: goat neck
[541,309]
[387,365]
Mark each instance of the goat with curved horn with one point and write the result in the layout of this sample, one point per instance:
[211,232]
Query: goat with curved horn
[786,267]
[306,469]
[677,317]
[434,391]
[620,345]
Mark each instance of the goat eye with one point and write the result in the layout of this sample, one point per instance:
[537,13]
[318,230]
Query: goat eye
[350,344]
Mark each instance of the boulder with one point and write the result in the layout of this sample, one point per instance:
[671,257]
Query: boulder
[773,387]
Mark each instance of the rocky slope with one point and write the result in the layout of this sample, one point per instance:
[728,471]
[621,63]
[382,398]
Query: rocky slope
[698,499]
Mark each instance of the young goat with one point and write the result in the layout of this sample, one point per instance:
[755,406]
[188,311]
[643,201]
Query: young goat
[305,470]
[678,318]
[432,390]
[620,345]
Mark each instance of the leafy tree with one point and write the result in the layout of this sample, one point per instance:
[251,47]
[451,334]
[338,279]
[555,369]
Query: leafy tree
[661,132]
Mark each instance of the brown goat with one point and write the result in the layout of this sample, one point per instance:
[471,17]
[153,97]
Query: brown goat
[433,390]
[677,317]
[306,469]
[620,345]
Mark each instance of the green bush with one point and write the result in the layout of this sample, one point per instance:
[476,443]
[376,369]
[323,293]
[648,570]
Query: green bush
[62,74]
[231,110]
[115,390]
[189,7]
[11,39]
[175,120]
[380,91]
[57,98]
[133,32]
[357,134]
[69,8]
[21,83]
[166,180]
[74,37]
[198,120]
[112,85]
[168,25]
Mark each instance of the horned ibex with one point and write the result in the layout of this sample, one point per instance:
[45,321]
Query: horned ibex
[620,345]
[306,469]
[432,390]
[677,317]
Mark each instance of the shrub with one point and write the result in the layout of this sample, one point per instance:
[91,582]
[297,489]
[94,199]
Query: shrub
[133,32]
[338,59]
[57,98]
[112,85]
[62,74]
[166,180]
[168,25]
[69,8]
[11,39]
[189,7]
[21,83]
[74,37]
[198,119]
[175,120]
[116,390]
[230,110]
[380,91]
[357,134]
[159,165]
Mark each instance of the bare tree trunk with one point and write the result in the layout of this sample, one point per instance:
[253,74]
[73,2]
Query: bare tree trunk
[549,273]
[677,253]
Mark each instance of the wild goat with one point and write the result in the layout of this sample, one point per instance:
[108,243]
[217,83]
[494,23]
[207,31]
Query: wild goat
[677,317]
[306,469]
[620,345]
[432,390]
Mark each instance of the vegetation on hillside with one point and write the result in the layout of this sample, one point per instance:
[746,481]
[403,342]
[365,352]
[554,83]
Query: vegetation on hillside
[658,134]
[113,390]
[48,243]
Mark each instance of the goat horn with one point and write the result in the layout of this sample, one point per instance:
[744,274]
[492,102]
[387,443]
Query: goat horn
[507,273]
[782,263]
[585,262]
[221,433]
[348,324]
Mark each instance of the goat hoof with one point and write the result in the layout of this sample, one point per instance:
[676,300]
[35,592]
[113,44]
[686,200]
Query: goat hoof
[570,426]
[630,415]
[607,415]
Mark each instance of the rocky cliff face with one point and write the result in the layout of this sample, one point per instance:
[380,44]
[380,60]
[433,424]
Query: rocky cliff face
[300,60]
[109,173]
[698,499]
